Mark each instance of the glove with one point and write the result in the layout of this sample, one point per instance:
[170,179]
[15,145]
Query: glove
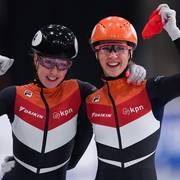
[135,74]
[169,20]
[7,165]
[5,64]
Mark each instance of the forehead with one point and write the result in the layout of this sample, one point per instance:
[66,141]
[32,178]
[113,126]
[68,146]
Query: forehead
[52,59]
[115,42]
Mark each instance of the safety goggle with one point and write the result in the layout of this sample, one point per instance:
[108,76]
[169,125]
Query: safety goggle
[118,48]
[50,63]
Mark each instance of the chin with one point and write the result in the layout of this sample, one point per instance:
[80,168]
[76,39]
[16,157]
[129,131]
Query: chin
[50,86]
[113,74]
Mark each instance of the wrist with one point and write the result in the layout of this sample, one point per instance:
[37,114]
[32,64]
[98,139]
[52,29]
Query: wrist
[174,33]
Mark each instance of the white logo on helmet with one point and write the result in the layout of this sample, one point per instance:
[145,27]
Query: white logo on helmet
[93,31]
[76,47]
[92,34]
[133,30]
[37,39]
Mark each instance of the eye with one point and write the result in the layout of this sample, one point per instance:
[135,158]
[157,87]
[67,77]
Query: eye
[120,49]
[48,61]
[106,49]
[62,64]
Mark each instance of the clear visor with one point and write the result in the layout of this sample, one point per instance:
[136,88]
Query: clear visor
[50,63]
[115,47]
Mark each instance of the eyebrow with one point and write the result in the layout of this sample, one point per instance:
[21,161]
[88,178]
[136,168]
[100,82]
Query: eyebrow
[112,44]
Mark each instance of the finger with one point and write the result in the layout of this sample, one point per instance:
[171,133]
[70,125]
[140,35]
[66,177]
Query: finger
[6,167]
[131,77]
[3,69]
[134,75]
[6,65]
[4,171]
[143,75]
[162,6]
[8,158]
[164,14]
[131,71]
[11,62]
[140,75]
[3,58]
[141,80]
[168,15]
[3,165]
[8,164]
[171,14]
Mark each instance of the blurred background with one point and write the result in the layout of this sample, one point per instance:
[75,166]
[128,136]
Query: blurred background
[20,20]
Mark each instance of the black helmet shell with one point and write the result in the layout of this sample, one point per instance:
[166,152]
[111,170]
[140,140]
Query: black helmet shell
[55,41]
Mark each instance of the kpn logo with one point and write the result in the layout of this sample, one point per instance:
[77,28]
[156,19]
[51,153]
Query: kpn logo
[61,113]
[131,110]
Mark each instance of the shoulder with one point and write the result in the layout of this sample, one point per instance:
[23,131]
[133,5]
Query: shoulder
[95,96]
[9,89]
[8,93]
[86,88]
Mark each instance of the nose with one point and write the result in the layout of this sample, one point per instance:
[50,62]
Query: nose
[112,54]
[54,70]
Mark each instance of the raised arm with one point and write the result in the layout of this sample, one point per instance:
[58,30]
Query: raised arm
[167,88]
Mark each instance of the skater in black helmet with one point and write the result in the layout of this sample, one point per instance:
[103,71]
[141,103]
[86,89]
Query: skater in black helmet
[126,119]
[45,114]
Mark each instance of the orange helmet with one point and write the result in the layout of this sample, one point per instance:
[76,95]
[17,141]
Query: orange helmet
[113,28]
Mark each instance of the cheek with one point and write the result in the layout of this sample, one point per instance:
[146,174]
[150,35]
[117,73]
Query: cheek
[125,58]
[101,59]
[125,62]
[62,74]
[41,72]
[40,75]
[65,73]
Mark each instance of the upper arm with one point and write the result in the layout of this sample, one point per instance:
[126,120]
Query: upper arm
[177,43]
[84,129]
[7,98]
[85,89]
[164,89]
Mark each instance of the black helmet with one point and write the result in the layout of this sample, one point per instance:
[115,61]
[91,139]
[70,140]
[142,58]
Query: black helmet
[55,41]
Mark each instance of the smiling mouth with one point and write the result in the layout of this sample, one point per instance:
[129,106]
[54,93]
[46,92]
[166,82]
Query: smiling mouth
[51,78]
[113,64]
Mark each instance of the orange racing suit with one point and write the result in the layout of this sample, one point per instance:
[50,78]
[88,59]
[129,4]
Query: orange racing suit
[47,128]
[126,121]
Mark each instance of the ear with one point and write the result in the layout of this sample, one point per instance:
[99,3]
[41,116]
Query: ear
[35,58]
[96,54]
[131,53]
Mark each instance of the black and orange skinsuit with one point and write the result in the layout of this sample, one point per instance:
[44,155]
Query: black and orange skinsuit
[49,135]
[126,121]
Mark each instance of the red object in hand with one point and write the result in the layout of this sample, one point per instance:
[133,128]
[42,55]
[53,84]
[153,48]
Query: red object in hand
[153,26]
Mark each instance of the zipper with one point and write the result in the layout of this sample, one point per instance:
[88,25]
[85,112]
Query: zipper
[46,125]
[116,118]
